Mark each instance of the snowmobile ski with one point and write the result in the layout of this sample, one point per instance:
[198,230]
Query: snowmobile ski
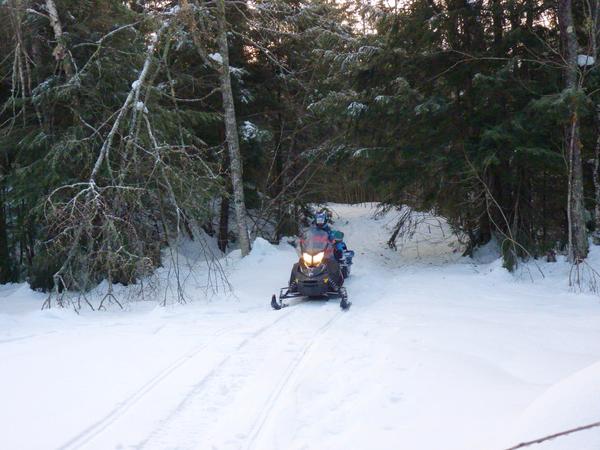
[285,293]
[344,303]
[277,304]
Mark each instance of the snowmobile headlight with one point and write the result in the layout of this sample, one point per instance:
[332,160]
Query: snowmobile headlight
[318,258]
[307,259]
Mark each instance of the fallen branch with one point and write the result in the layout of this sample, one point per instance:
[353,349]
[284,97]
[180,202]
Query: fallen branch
[554,436]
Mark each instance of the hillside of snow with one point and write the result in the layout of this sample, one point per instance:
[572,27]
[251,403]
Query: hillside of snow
[438,352]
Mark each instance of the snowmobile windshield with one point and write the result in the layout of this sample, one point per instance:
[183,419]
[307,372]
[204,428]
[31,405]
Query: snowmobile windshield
[314,241]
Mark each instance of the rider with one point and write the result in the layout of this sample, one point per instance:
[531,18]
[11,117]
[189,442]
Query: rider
[321,221]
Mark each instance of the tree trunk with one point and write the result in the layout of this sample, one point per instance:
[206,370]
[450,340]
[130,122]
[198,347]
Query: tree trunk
[60,51]
[5,263]
[231,132]
[223,238]
[497,23]
[578,244]
[223,233]
[596,236]
[596,172]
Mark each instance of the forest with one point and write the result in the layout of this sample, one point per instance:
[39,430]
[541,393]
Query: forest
[128,125]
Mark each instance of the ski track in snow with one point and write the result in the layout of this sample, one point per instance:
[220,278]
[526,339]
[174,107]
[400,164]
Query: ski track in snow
[174,426]
[213,374]
[436,353]
[263,417]
[27,337]
[101,426]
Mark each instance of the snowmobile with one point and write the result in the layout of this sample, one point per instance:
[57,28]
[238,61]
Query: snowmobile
[317,274]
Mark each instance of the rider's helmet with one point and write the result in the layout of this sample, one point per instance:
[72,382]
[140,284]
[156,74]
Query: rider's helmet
[320,219]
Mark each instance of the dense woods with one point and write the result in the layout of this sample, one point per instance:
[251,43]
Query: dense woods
[126,126]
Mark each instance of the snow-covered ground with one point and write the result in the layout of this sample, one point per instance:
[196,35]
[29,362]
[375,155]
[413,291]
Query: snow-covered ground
[438,352]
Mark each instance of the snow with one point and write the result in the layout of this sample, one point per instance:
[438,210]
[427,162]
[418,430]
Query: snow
[248,130]
[246,96]
[216,57]
[585,60]
[437,352]
[140,106]
[238,72]
[356,108]
[383,99]
[174,10]
[568,404]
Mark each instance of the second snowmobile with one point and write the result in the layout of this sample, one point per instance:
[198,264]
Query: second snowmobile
[318,273]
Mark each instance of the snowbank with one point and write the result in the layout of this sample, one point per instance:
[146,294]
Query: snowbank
[570,403]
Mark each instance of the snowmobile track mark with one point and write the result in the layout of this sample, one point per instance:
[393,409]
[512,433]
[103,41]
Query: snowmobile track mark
[98,427]
[288,374]
[26,337]
[211,374]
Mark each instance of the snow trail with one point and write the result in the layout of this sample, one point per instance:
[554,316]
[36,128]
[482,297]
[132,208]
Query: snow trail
[437,353]
[285,380]
[239,381]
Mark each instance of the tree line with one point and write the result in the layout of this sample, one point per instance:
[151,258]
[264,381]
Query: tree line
[127,125]
[485,112]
